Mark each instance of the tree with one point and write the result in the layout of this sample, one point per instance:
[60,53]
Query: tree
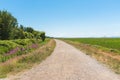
[22,27]
[7,23]
[17,33]
[9,29]
[42,36]
[29,29]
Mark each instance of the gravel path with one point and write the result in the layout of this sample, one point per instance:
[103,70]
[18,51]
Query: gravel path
[68,63]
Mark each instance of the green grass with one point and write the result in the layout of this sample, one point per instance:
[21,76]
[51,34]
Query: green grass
[113,44]
[105,50]
[26,61]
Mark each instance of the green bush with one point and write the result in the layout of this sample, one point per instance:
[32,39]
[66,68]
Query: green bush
[6,46]
[12,48]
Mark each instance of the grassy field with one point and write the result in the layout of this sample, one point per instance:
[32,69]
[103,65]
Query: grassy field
[111,43]
[33,53]
[105,50]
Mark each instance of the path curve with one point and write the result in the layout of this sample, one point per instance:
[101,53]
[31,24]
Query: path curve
[68,63]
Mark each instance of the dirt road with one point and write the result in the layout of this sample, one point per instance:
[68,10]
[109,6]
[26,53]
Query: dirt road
[68,63]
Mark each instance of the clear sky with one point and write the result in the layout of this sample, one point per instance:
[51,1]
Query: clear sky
[68,18]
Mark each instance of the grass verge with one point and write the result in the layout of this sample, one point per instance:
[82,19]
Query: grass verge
[26,61]
[101,54]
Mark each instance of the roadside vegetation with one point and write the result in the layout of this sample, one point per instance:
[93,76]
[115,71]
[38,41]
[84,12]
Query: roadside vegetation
[27,60]
[13,48]
[105,50]
[20,47]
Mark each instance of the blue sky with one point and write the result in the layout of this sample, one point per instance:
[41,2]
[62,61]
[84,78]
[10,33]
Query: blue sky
[68,18]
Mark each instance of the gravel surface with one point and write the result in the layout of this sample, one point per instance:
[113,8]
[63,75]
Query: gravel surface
[68,63]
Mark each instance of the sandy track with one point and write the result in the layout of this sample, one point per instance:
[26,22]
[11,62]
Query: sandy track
[68,63]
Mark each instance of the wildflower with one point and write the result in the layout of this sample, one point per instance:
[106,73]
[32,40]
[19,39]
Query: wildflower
[13,51]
